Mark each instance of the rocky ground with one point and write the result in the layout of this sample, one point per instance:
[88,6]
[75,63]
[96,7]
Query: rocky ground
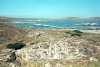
[62,49]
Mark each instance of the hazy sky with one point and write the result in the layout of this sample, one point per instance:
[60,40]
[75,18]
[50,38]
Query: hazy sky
[50,8]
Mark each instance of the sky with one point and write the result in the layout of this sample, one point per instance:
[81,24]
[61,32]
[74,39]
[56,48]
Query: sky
[50,8]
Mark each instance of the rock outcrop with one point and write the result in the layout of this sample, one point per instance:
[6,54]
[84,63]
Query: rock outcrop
[7,55]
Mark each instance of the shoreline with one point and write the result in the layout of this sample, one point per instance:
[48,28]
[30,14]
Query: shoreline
[71,29]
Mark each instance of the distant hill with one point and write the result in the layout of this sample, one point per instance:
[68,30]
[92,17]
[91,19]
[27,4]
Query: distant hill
[94,18]
[9,19]
[76,18]
[71,18]
[5,19]
[1,17]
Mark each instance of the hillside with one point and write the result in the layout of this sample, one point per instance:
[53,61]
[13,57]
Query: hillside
[10,33]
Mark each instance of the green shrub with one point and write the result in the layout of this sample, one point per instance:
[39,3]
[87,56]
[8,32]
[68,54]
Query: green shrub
[15,46]
[76,34]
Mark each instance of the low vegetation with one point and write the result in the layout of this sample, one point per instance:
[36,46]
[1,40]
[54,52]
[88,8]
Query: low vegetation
[62,64]
[92,38]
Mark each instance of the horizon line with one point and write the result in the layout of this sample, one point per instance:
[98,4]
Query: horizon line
[53,18]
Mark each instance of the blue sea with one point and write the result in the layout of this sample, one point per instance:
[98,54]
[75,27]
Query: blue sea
[65,24]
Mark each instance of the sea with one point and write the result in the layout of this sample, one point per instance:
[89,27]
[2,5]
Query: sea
[74,24]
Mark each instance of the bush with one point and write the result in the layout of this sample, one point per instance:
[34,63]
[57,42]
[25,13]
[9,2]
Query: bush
[75,34]
[15,46]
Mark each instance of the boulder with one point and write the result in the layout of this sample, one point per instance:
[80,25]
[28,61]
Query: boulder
[93,59]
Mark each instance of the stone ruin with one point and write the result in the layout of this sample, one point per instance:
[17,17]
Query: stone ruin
[50,50]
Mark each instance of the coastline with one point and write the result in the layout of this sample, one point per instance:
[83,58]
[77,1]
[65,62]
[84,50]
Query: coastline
[70,29]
